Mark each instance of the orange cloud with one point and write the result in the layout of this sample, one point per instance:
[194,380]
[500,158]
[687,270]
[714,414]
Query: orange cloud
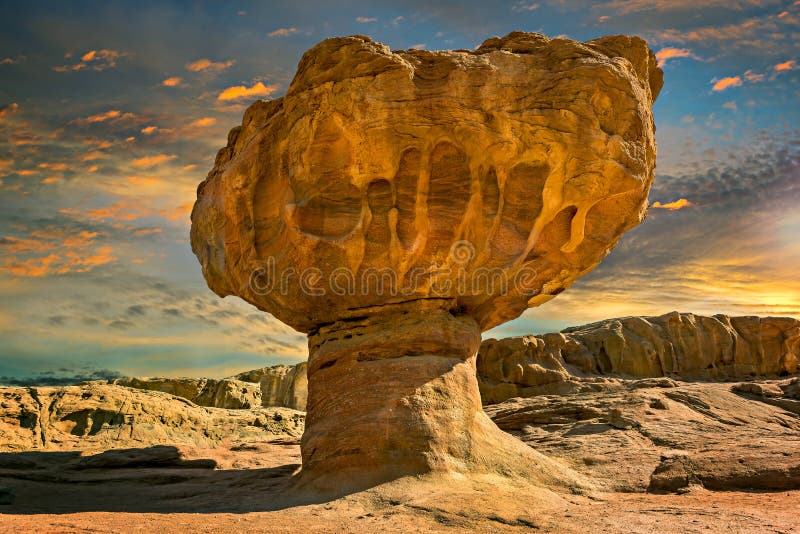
[110,115]
[58,167]
[7,110]
[124,210]
[151,161]
[95,155]
[143,180]
[786,65]
[666,54]
[171,82]
[205,121]
[242,91]
[673,206]
[12,60]
[206,64]
[283,32]
[725,83]
[146,231]
[149,130]
[753,77]
[93,59]
[181,211]
[93,168]
[53,250]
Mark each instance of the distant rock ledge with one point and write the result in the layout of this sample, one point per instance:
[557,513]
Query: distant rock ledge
[682,346]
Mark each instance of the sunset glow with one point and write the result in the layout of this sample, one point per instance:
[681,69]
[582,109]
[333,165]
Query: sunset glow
[107,133]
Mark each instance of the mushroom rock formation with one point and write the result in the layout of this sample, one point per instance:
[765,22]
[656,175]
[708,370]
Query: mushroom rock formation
[393,205]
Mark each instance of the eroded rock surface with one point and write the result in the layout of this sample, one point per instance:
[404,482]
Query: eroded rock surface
[539,152]
[224,393]
[393,205]
[281,385]
[678,345]
[99,417]
[669,436]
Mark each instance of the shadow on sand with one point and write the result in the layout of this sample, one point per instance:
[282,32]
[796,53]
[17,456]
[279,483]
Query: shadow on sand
[153,479]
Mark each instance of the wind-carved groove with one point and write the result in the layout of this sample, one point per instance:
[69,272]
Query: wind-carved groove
[406,185]
[449,194]
[329,207]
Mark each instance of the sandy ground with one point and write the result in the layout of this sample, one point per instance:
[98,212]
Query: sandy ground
[250,491]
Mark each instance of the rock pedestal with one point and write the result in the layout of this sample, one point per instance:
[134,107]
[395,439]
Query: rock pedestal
[394,393]
[395,204]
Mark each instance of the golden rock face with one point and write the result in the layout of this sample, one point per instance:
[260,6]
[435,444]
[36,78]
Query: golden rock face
[492,178]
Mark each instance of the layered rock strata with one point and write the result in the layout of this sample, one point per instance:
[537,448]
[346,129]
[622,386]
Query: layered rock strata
[678,345]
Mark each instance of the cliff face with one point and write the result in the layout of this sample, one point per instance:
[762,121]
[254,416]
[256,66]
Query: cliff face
[224,393]
[281,385]
[276,386]
[679,345]
[101,416]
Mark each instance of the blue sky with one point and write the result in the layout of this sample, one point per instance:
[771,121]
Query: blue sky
[111,113]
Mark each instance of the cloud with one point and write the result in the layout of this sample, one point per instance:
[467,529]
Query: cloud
[148,130]
[182,211]
[12,61]
[53,250]
[202,65]
[521,7]
[7,110]
[242,91]
[731,106]
[110,115]
[283,32]
[673,206]
[627,7]
[58,167]
[125,210]
[205,121]
[397,20]
[419,46]
[151,161]
[786,65]
[727,82]
[668,53]
[174,81]
[753,77]
[365,20]
[95,60]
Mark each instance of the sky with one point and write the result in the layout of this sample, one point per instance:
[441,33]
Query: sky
[111,114]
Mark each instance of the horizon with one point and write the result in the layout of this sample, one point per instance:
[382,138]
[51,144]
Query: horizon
[111,116]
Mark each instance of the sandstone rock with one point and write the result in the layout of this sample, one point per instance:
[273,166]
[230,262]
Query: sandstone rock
[680,345]
[761,389]
[96,416]
[281,385]
[395,204]
[224,393]
[637,439]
